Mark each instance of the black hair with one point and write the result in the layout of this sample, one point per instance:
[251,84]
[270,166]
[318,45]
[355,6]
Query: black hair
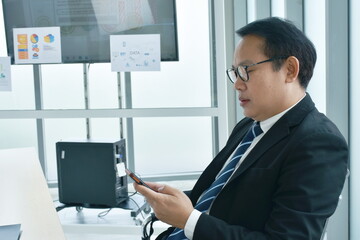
[284,39]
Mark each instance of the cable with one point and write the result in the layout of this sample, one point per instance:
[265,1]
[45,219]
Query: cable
[59,208]
[132,194]
[104,213]
[150,220]
[129,197]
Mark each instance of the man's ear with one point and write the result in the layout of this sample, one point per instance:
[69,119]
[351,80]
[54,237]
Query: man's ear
[292,67]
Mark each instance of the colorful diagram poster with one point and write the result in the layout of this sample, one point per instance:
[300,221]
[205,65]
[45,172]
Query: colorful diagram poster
[139,52]
[37,45]
[5,74]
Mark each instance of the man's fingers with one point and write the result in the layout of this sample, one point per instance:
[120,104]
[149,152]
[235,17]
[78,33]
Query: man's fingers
[169,204]
[143,190]
[165,189]
[155,186]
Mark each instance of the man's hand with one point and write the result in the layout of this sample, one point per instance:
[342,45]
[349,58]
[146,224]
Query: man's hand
[170,205]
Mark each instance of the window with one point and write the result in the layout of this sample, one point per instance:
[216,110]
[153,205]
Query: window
[169,114]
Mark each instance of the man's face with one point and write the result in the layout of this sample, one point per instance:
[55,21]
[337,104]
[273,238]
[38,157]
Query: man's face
[263,96]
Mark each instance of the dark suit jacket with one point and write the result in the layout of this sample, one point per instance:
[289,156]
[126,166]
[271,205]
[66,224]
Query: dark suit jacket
[286,187]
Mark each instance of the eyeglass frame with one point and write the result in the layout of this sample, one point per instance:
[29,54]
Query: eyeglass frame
[236,70]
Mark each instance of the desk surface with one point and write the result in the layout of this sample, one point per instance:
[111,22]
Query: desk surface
[25,197]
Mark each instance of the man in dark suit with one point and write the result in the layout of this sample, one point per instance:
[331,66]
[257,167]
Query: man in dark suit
[288,182]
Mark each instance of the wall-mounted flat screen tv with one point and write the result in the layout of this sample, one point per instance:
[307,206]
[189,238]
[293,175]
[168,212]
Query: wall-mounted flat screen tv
[86,25]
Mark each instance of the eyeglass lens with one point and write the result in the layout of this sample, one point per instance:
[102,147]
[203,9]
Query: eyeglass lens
[233,74]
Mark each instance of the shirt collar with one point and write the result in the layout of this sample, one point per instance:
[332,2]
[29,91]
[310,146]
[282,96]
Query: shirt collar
[268,123]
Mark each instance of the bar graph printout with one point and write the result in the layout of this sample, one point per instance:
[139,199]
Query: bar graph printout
[37,45]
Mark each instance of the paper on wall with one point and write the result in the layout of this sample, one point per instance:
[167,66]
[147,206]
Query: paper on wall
[140,52]
[5,74]
[37,45]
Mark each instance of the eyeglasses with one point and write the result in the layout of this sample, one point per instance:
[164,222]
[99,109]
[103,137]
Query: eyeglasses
[242,70]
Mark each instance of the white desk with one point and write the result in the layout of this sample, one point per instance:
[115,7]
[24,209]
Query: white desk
[25,197]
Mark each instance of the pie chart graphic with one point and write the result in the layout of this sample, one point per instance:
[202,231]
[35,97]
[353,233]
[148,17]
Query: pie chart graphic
[34,38]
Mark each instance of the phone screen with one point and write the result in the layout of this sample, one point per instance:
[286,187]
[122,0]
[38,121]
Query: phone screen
[137,179]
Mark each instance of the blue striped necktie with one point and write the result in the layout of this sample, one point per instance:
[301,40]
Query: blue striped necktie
[210,194]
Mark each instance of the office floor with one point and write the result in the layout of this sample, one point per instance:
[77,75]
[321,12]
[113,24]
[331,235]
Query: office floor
[92,224]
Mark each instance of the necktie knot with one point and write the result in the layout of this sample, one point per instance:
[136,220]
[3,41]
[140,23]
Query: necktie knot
[257,129]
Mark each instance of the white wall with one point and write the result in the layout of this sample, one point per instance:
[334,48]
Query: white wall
[354,119]
[314,26]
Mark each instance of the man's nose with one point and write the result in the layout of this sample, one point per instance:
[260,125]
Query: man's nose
[239,84]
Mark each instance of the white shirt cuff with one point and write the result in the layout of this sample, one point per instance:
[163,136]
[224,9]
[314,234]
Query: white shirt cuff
[191,223]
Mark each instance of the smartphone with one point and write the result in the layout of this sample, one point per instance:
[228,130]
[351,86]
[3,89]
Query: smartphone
[137,179]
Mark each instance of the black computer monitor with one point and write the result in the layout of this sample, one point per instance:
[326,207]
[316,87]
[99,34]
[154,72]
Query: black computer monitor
[86,25]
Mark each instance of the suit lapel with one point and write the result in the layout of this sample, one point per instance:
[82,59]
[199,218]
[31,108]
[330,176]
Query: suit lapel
[267,141]
[216,165]
[280,130]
